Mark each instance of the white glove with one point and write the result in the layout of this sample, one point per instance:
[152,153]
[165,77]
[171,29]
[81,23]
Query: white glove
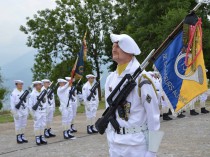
[150,154]
[15,114]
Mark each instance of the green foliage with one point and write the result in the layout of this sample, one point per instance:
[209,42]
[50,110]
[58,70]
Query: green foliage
[3,91]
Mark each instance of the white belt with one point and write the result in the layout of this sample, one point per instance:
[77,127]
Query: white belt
[133,130]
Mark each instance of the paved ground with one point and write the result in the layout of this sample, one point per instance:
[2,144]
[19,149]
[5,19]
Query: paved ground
[187,137]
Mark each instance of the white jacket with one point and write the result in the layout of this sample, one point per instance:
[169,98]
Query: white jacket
[63,94]
[141,111]
[15,99]
[33,99]
[86,92]
[50,103]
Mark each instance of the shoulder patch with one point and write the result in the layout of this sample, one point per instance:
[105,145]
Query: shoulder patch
[148,98]
[144,82]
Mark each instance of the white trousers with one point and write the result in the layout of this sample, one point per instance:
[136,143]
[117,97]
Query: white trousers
[91,109]
[74,110]
[20,122]
[39,121]
[118,150]
[67,116]
[49,118]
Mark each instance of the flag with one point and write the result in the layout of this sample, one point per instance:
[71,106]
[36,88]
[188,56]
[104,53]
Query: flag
[181,66]
[78,68]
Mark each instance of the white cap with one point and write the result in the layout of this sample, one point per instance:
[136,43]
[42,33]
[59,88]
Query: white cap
[206,70]
[69,78]
[61,80]
[45,80]
[90,75]
[126,43]
[18,81]
[37,82]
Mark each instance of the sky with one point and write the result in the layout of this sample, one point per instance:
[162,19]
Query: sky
[13,13]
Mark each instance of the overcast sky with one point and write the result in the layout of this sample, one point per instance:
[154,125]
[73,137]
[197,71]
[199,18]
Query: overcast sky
[13,13]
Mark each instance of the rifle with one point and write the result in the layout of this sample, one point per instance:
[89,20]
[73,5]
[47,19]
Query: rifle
[22,99]
[72,91]
[128,83]
[40,98]
[93,90]
[50,91]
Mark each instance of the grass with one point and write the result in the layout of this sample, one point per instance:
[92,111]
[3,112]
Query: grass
[5,116]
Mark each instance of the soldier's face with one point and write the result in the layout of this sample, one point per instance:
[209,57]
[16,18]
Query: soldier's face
[46,84]
[118,55]
[19,86]
[62,84]
[91,79]
[38,86]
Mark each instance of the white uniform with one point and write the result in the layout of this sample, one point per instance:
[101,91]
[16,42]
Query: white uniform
[39,115]
[144,112]
[74,102]
[92,105]
[50,109]
[21,114]
[65,107]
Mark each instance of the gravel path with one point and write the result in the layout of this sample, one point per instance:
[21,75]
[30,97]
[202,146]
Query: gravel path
[187,137]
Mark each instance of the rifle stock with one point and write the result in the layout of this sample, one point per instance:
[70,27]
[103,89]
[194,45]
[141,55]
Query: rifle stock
[22,98]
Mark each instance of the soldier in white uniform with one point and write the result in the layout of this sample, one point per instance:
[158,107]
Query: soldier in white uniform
[50,110]
[20,115]
[202,98]
[141,130]
[73,103]
[39,115]
[92,105]
[65,108]
[161,95]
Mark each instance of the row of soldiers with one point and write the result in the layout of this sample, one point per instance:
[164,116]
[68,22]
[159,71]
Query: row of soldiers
[41,105]
[164,104]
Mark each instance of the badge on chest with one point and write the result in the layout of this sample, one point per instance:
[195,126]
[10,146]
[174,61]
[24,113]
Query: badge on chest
[124,110]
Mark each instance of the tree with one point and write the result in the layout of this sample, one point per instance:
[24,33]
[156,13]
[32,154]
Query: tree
[57,33]
[3,91]
[150,24]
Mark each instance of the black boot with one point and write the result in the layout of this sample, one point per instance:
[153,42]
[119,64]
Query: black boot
[166,117]
[38,141]
[72,137]
[51,134]
[203,110]
[73,128]
[65,134]
[181,115]
[169,112]
[23,138]
[46,133]
[42,139]
[89,131]
[193,113]
[93,129]
[19,139]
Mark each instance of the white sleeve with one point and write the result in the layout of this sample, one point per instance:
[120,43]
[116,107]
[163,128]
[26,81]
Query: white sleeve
[31,101]
[12,102]
[150,103]
[62,89]
[84,93]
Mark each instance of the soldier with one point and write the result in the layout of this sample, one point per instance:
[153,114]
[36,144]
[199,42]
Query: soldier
[91,105]
[20,113]
[203,97]
[73,102]
[135,137]
[39,115]
[49,110]
[65,108]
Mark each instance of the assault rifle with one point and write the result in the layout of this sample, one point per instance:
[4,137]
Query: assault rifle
[40,98]
[50,91]
[72,91]
[93,90]
[22,99]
